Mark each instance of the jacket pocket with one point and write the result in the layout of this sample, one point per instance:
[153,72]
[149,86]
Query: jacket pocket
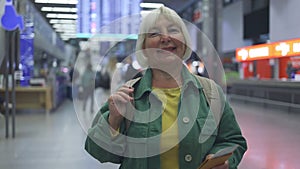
[207,135]
[208,128]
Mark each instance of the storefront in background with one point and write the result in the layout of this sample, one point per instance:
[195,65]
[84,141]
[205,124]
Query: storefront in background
[278,60]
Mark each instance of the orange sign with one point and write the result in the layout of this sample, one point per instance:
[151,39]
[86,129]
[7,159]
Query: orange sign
[268,51]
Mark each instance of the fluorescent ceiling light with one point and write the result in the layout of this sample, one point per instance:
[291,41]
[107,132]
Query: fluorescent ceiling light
[74,2]
[64,25]
[151,5]
[65,21]
[67,16]
[70,31]
[60,28]
[58,9]
[65,30]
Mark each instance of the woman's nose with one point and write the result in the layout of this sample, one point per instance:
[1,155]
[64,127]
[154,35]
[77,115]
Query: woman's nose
[165,38]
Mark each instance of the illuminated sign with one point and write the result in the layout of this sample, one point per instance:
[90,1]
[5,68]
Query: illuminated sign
[269,51]
[10,19]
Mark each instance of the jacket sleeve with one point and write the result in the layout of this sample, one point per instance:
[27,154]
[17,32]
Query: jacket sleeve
[229,134]
[100,143]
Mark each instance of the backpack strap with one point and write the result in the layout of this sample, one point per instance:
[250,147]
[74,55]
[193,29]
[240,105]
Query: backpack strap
[216,102]
[210,89]
[132,82]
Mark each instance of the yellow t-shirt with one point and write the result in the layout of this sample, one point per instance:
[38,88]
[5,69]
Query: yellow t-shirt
[169,138]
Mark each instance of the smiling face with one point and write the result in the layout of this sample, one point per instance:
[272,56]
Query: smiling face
[164,43]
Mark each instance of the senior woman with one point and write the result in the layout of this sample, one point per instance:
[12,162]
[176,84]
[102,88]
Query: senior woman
[166,119]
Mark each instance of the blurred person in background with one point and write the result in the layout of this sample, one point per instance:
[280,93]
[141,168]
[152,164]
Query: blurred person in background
[87,84]
[173,124]
[73,82]
[290,70]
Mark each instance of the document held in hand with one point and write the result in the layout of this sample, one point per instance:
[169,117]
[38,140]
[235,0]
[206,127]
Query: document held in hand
[219,158]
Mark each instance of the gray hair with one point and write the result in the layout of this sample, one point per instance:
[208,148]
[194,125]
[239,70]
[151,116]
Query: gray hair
[149,21]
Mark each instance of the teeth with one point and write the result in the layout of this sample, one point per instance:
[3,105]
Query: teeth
[169,49]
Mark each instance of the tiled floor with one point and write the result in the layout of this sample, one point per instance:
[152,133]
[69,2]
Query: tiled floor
[273,135]
[55,141]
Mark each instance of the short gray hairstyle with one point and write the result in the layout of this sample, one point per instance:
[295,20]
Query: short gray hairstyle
[149,21]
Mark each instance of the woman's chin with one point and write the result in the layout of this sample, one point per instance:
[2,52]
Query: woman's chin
[166,63]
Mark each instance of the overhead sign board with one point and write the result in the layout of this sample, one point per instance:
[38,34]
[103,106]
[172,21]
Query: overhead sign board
[268,51]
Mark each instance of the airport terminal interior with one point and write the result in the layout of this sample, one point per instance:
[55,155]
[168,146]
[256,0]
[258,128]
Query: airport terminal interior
[52,49]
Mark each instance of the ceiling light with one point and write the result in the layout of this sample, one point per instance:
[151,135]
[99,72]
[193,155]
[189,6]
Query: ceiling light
[58,9]
[74,2]
[65,21]
[65,29]
[64,25]
[70,31]
[151,5]
[67,16]
[68,35]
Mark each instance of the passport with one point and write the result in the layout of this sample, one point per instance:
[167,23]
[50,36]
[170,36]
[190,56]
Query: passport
[218,159]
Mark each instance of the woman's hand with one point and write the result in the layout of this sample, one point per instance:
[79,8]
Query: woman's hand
[222,166]
[225,165]
[117,105]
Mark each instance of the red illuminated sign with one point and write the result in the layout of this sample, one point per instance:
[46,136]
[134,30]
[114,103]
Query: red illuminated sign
[268,51]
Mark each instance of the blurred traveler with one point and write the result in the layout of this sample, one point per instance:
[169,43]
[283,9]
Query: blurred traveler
[178,119]
[73,82]
[87,84]
[290,70]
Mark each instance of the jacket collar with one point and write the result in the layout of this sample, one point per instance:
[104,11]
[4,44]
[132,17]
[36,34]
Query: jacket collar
[145,84]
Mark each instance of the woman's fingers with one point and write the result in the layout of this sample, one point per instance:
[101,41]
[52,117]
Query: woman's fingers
[123,95]
[120,99]
[222,166]
[117,105]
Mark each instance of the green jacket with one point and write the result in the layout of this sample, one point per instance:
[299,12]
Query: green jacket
[201,132]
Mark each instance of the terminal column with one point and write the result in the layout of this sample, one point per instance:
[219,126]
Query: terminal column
[212,27]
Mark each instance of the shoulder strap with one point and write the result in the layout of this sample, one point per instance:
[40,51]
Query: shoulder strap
[216,103]
[210,88]
[132,82]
